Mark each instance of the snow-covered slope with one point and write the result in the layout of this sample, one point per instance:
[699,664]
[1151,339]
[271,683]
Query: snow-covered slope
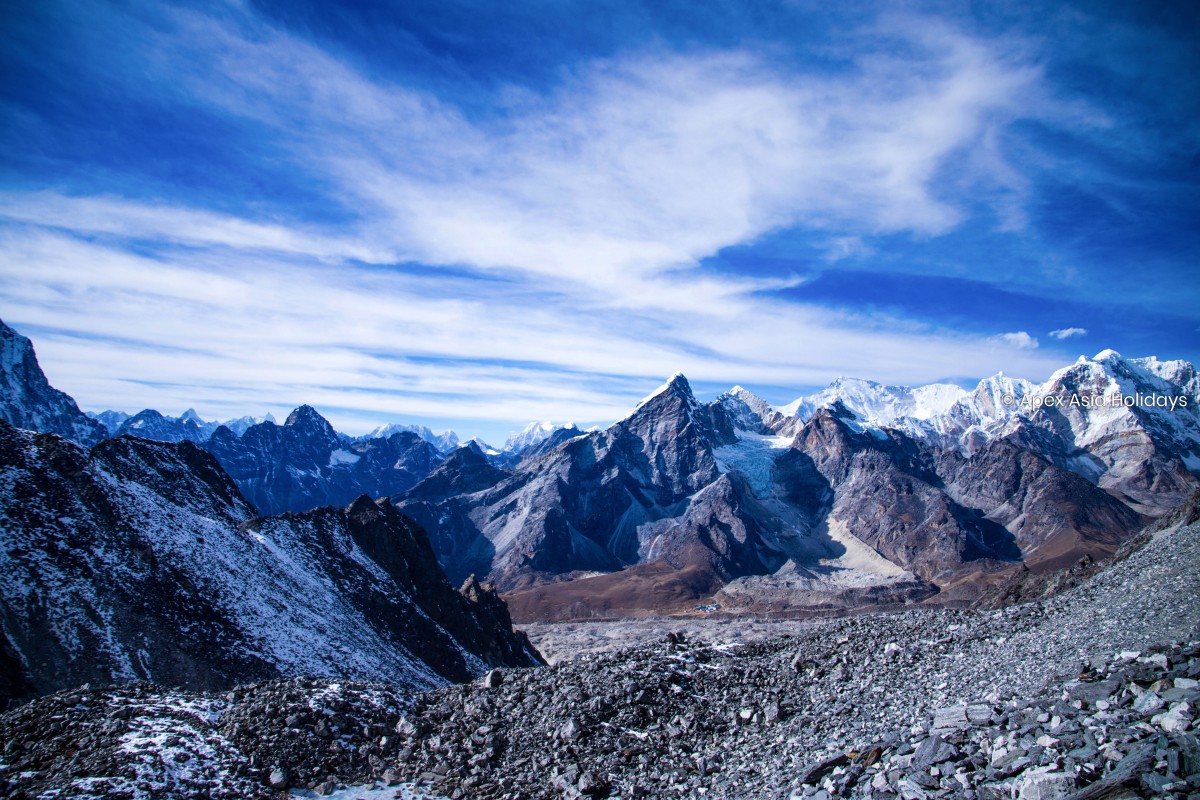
[1131,425]
[140,560]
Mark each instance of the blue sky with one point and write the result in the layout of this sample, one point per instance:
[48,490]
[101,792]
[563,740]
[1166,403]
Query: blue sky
[478,214]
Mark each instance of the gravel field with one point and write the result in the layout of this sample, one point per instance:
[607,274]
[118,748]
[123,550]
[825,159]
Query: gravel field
[914,704]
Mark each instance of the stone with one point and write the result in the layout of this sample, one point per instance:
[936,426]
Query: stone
[1175,721]
[278,778]
[1043,783]
[571,730]
[1157,659]
[1148,702]
[933,750]
[592,785]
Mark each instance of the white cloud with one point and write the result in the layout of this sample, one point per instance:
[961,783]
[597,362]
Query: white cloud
[1067,333]
[1020,340]
[234,333]
[631,166]
[590,205]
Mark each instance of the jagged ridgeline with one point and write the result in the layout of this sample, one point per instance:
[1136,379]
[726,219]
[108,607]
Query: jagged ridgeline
[141,560]
[860,495]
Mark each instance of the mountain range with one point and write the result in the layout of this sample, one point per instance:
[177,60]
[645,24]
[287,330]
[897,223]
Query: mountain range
[137,559]
[860,494]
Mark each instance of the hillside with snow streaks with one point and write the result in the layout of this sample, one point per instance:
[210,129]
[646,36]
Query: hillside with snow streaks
[140,560]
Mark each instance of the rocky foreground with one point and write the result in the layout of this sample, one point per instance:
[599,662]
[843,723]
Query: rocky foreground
[1088,694]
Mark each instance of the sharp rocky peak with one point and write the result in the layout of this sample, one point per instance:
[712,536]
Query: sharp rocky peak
[304,413]
[27,400]
[676,388]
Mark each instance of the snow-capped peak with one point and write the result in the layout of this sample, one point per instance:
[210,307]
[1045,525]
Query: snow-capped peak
[482,446]
[534,433]
[677,383]
[759,405]
[755,402]
[191,416]
[879,404]
[445,442]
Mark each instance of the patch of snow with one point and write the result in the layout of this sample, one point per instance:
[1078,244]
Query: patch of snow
[373,791]
[753,456]
[339,457]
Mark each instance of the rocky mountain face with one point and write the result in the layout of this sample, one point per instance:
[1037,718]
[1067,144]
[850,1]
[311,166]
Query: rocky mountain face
[150,424]
[591,504]
[733,501]
[27,400]
[304,463]
[189,427]
[938,512]
[1128,425]
[140,560]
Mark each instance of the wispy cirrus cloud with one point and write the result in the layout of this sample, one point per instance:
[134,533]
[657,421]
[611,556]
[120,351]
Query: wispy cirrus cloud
[1067,333]
[538,257]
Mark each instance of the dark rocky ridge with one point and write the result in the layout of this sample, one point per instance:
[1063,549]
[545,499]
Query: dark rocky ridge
[303,463]
[27,400]
[141,560]
[579,507]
